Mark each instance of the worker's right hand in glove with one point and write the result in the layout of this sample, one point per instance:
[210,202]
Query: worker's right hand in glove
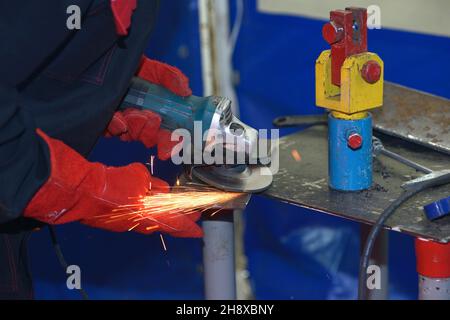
[95,194]
[143,125]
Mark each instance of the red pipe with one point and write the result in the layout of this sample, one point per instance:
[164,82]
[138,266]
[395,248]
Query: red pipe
[433,258]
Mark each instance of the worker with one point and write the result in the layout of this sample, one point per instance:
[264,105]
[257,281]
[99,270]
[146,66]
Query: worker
[60,89]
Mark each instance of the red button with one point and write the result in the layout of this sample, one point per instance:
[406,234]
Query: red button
[371,71]
[355,141]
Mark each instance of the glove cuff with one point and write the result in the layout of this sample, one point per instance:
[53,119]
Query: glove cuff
[59,194]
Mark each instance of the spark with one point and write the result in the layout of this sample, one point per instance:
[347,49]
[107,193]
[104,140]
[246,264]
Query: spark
[181,202]
[157,210]
[162,241]
[296,155]
[214,213]
[137,224]
[152,159]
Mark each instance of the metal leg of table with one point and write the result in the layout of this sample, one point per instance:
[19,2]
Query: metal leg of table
[219,257]
[380,257]
[433,267]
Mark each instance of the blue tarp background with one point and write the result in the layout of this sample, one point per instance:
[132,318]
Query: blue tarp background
[293,253]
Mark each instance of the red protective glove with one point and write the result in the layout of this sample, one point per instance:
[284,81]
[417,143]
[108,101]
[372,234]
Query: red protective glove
[143,125]
[78,190]
[122,11]
[164,75]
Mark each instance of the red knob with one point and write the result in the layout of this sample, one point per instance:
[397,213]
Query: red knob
[354,141]
[371,71]
[331,33]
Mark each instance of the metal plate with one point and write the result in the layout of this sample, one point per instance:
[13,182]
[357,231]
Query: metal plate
[249,179]
[415,116]
[303,180]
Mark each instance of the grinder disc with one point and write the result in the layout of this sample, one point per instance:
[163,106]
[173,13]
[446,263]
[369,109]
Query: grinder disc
[241,178]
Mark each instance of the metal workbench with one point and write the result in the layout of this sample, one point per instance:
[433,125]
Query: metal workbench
[303,181]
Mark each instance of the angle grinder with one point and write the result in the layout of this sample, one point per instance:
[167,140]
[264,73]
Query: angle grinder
[211,118]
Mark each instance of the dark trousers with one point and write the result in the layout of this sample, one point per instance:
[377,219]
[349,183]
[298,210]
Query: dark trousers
[15,276]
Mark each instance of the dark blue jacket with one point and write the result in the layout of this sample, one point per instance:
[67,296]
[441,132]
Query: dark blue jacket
[66,82]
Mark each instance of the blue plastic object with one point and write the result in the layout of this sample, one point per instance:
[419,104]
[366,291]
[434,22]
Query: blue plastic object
[349,169]
[437,209]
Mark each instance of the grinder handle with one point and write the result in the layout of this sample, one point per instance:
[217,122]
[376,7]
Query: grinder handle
[176,112]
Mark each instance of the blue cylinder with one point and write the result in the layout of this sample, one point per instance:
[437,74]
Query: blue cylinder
[350,153]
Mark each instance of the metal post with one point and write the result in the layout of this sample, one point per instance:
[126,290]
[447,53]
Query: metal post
[434,288]
[218,257]
[379,258]
[433,266]
[219,250]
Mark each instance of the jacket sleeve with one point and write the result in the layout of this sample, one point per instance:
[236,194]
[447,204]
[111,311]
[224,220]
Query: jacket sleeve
[24,157]
[30,34]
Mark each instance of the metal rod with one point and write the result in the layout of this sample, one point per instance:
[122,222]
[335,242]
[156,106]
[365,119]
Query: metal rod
[434,288]
[219,249]
[218,257]
[403,160]
[378,148]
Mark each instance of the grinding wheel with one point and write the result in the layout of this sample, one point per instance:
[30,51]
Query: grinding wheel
[242,178]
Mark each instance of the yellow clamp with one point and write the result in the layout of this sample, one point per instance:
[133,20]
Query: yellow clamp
[355,96]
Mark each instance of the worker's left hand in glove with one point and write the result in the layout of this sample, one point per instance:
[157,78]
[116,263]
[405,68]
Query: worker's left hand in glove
[95,194]
[143,125]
